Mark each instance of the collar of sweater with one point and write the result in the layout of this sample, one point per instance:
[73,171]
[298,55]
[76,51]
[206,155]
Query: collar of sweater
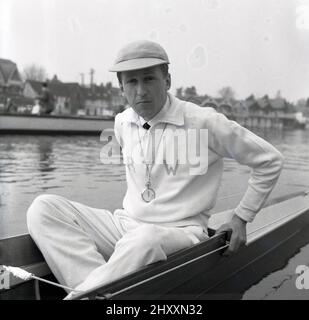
[172,112]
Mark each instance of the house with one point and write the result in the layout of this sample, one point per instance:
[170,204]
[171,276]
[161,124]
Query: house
[11,85]
[210,102]
[240,108]
[10,79]
[68,95]
[103,100]
[96,100]
[251,104]
[265,107]
[279,105]
[72,98]
[224,107]
[32,89]
[194,99]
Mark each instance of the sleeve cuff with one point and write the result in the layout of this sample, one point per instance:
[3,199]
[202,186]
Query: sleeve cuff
[245,214]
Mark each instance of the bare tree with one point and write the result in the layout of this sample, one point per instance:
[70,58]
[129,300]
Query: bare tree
[301,104]
[190,92]
[35,72]
[179,92]
[227,93]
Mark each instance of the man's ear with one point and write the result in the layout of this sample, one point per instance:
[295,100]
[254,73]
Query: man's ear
[168,82]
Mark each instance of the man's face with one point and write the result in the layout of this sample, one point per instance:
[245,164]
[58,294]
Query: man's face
[145,90]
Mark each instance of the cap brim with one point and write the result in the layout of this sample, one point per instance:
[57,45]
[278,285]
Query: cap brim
[136,64]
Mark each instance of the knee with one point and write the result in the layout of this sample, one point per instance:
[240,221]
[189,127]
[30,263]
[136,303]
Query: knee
[144,244]
[145,239]
[39,211]
[148,236]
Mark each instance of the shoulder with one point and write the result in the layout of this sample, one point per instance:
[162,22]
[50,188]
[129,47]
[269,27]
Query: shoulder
[123,116]
[126,115]
[122,121]
[197,116]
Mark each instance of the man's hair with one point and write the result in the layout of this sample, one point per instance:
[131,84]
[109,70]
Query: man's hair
[163,67]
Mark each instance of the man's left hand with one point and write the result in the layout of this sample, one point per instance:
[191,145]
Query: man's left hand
[239,234]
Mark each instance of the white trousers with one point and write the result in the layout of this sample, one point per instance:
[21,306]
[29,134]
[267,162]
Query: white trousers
[85,247]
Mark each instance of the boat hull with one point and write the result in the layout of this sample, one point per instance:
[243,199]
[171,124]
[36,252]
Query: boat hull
[52,124]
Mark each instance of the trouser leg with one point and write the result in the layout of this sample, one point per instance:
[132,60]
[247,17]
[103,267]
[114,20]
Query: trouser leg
[139,247]
[73,238]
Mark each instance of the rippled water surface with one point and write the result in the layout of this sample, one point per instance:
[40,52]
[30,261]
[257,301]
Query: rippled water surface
[70,166]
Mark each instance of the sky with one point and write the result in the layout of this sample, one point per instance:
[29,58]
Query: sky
[254,46]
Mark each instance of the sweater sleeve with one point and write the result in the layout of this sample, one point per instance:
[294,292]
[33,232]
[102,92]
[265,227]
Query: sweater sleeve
[229,139]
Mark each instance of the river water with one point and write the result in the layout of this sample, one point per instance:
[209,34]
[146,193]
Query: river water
[70,166]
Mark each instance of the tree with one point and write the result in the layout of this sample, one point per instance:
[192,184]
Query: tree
[35,72]
[179,92]
[279,95]
[300,105]
[190,92]
[227,93]
[108,85]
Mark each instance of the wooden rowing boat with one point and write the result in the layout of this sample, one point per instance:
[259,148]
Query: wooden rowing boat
[53,124]
[200,272]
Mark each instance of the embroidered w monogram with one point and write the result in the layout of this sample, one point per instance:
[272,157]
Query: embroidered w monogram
[170,168]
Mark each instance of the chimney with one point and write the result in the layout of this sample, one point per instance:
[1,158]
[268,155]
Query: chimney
[91,80]
[91,77]
[82,75]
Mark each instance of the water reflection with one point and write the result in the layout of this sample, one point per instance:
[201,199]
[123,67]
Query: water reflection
[46,161]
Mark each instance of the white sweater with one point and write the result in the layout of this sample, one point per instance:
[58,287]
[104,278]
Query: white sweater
[184,197]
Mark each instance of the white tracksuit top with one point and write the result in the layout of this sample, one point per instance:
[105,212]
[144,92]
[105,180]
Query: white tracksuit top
[185,193]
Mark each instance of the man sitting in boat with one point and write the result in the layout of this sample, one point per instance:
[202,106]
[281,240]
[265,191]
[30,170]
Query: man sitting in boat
[46,100]
[10,107]
[164,209]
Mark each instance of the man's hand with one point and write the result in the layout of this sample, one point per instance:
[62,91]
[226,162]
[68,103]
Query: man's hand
[239,235]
